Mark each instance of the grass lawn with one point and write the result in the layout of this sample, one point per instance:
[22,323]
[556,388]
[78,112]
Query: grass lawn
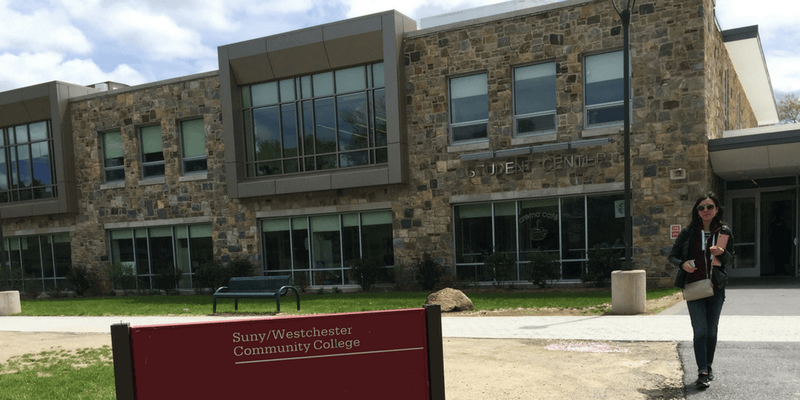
[328,303]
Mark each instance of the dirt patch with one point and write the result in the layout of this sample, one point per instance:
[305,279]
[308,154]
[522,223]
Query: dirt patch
[547,369]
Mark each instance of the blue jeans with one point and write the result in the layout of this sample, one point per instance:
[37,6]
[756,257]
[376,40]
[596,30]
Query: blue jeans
[705,318]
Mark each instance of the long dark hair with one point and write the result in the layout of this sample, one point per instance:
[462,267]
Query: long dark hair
[697,222]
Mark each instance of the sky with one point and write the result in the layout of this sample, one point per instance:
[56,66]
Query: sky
[140,41]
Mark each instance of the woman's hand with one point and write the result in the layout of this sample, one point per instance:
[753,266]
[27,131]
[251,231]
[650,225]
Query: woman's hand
[715,250]
[687,266]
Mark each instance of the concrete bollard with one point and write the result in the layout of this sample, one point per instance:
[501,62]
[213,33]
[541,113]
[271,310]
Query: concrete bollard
[9,303]
[628,292]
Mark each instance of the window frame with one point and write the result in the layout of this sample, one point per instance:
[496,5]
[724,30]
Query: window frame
[471,123]
[192,159]
[300,124]
[521,116]
[158,165]
[106,168]
[17,169]
[609,105]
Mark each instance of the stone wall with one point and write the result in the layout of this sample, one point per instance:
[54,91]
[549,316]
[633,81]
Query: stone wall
[670,128]
[173,199]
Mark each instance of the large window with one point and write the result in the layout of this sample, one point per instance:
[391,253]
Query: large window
[469,108]
[39,263]
[193,146]
[604,89]
[319,249]
[335,119]
[535,99]
[146,253]
[113,157]
[152,146]
[568,228]
[26,163]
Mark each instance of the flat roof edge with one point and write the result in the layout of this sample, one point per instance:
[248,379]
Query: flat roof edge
[755,140]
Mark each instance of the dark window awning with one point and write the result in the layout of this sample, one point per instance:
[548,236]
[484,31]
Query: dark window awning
[765,152]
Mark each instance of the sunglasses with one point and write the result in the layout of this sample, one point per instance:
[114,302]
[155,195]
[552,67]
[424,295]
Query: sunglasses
[706,207]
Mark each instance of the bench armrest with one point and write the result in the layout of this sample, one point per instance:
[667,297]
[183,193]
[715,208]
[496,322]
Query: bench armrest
[284,290]
[220,289]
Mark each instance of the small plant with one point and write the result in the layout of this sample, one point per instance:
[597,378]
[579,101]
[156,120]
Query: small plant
[84,279]
[428,272]
[237,268]
[122,275]
[366,272]
[543,268]
[500,267]
[301,281]
[210,275]
[320,290]
[602,262]
[335,290]
[167,277]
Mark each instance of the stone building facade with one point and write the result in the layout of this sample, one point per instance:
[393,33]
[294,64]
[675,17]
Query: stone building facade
[463,157]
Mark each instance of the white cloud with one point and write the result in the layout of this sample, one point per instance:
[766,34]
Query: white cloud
[153,33]
[33,68]
[779,32]
[42,30]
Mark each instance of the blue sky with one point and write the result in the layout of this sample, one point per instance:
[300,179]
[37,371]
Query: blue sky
[134,42]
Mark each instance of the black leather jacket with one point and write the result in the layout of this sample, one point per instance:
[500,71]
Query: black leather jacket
[683,249]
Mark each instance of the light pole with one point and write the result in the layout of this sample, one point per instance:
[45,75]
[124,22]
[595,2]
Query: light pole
[624,9]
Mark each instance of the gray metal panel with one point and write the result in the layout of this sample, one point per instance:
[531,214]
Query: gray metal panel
[299,60]
[256,188]
[360,178]
[290,40]
[302,184]
[246,49]
[354,50]
[352,27]
[398,154]
[252,69]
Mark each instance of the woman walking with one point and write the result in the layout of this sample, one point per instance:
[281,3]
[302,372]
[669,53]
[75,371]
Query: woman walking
[701,252]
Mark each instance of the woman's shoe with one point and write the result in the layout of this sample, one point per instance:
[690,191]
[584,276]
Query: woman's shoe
[702,381]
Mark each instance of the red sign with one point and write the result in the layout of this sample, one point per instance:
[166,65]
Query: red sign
[368,355]
[674,230]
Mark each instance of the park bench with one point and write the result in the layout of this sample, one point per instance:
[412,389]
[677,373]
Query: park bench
[256,287]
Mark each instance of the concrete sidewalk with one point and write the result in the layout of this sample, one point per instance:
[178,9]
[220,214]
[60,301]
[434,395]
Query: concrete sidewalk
[766,313]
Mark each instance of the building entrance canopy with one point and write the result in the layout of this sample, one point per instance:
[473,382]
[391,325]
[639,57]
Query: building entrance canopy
[764,152]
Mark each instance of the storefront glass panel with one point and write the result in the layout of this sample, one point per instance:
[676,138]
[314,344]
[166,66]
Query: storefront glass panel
[322,247]
[566,227]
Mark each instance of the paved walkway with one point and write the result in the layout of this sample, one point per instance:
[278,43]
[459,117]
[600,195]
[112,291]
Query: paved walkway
[766,313]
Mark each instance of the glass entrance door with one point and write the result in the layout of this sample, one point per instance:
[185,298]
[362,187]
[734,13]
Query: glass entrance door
[744,223]
[764,227]
[778,216]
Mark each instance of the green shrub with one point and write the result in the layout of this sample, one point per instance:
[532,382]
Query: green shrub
[500,266]
[427,272]
[213,275]
[122,275]
[543,268]
[167,276]
[237,268]
[210,275]
[366,272]
[84,279]
[602,262]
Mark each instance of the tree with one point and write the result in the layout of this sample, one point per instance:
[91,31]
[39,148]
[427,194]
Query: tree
[789,109]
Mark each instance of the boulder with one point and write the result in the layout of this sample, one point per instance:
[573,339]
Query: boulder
[450,300]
